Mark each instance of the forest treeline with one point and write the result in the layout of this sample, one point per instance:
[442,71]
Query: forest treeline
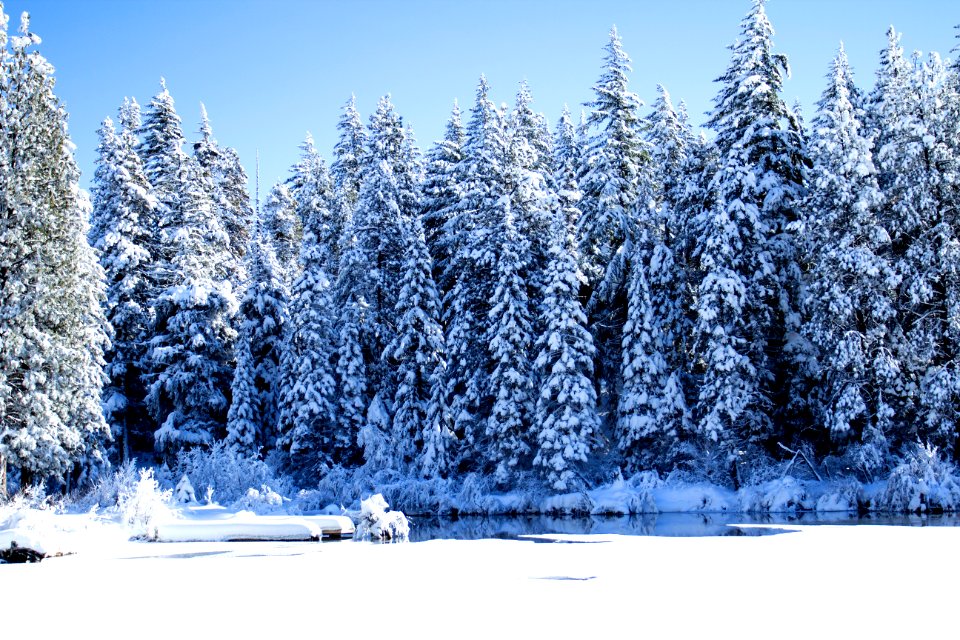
[554,306]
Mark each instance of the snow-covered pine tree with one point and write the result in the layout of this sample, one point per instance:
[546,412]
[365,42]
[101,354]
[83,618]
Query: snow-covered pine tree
[263,313]
[312,189]
[617,166]
[509,334]
[53,332]
[349,151]
[565,415]
[469,233]
[567,167]
[852,303]
[231,200]
[164,165]
[417,352]
[122,209]
[440,191]
[918,161]
[668,136]
[747,300]
[246,413]
[190,352]
[308,407]
[617,186]
[281,229]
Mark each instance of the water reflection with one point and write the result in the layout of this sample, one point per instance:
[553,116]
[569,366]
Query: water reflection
[664,524]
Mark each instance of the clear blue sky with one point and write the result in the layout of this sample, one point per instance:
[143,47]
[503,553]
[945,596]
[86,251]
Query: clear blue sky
[268,71]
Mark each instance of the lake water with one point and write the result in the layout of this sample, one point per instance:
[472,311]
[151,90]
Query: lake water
[664,524]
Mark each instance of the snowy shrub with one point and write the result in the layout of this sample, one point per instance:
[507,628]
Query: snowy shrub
[263,502]
[923,482]
[227,472]
[105,493]
[846,495]
[376,523]
[623,497]
[567,504]
[474,495]
[785,495]
[184,493]
[143,504]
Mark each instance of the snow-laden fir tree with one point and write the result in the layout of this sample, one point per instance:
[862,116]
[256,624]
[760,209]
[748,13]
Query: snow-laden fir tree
[190,353]
[565,416]
[851,302]
[349,151]
[747,299]
[53,332]
[122,208]
[263,316]
[668,135]
[509,335]
[417,353]
[246,414]
[312,189]
[230,198]
[567,167]
[440,191]
[617,165]
[282,229]
[470,233]
[308,408]
[918,161]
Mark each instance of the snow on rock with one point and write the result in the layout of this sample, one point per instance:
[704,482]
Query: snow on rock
[376,523]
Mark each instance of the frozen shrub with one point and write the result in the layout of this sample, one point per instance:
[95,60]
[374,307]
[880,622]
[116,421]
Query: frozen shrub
[568,504]
[105,493]
[786,495]
[843,496]
[921,483]
[262,502]
[143,504]
[184,493]
[376,523]
[227,472]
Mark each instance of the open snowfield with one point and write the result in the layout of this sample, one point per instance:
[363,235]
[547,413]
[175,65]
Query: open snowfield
[814,581]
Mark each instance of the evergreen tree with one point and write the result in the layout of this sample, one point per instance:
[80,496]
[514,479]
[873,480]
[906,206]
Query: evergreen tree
[190,351]
[230,198]
[440,192]
[53,332]
[509,335]
[348,163]
[851,300]
[245,415]
[567,167]
[308,411]
[123,206]
[263,313]
[312,189]
[747,299]
[565,416]
[471,244]
[417,352]
[282,230]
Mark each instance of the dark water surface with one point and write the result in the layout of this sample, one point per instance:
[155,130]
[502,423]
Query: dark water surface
[663,524]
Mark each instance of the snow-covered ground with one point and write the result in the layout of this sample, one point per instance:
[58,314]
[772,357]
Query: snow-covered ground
[814,581]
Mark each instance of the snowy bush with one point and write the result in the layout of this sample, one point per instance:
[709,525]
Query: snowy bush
[376,523]
[846,495]
[785,495]
[263,502]
[105,493]
[143,504]
[923,482]
[184,493]
[626,497]
[227,472]
[567,504]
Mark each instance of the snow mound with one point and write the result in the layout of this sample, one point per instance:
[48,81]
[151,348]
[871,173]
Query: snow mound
[376,523]
[686,498]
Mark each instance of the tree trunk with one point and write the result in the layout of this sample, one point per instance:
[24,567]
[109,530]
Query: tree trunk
[3,477]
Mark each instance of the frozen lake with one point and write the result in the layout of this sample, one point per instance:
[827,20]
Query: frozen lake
[836,581]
